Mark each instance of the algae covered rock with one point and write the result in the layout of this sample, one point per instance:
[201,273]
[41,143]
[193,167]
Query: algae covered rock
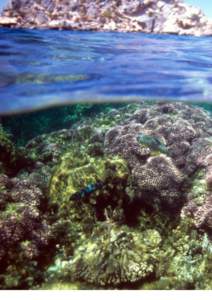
[115,255]
[186,259]
[75,182]
[82,187]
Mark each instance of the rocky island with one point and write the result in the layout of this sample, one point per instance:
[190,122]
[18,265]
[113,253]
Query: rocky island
[150,16]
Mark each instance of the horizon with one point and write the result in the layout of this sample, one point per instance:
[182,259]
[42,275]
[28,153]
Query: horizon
[204,5]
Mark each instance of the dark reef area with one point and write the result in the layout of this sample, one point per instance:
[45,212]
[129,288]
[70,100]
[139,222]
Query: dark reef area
[107,196]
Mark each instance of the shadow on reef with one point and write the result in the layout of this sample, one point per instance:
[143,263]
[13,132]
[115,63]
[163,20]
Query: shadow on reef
[119,200]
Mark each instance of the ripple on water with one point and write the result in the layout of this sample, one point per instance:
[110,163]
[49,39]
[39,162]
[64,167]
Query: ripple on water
[40,68]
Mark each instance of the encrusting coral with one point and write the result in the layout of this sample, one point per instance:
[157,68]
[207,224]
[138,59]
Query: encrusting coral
[24,233]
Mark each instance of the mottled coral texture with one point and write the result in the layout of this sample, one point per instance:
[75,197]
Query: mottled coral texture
[120,200]
[155,182]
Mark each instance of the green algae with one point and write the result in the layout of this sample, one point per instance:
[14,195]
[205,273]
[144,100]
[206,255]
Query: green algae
[70,178]
[185,256]
[156,254]
[62,286]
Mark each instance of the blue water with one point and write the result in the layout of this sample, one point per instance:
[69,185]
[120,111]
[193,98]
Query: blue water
[39,68]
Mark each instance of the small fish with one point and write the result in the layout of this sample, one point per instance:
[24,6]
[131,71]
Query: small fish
[90,188]
[154,143]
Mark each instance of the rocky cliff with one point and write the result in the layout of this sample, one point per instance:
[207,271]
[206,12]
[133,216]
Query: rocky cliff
[157,16]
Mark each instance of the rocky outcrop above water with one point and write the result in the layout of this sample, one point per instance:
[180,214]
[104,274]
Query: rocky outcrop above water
[164,16]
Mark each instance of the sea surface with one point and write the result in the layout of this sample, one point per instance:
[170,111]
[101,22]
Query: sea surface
[41,68]
[86,204]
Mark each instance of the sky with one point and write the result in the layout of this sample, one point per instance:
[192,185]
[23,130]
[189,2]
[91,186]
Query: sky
[2,3]
[205,5]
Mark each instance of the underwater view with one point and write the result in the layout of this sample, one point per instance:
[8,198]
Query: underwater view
[105,158]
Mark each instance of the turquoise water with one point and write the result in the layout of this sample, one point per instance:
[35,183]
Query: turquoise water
[42,68]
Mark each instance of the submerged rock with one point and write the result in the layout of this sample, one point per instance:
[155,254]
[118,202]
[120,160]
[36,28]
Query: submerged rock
[173,16]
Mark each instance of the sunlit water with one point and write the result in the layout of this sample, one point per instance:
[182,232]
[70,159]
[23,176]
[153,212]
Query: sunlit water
[42,68]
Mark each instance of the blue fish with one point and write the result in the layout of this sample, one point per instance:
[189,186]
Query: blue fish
[90,188]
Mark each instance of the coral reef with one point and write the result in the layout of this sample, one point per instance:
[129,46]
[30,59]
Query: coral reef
[115,255]
[199,204]
[173,16]
[12,158]
[119,200]
[154,181]
[7,150]
[24,233]
[185,257]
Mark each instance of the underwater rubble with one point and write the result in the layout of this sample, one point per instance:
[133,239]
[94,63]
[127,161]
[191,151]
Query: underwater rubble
[122,200]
